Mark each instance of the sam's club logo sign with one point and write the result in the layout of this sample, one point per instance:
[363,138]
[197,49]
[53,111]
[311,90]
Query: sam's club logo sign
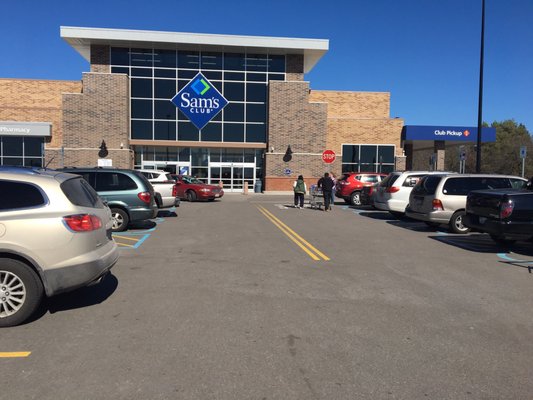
[200,101]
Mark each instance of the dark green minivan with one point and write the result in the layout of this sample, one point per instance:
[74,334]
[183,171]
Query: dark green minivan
[129,195]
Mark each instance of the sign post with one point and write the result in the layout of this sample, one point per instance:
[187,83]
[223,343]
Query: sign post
[523,154]
[462,159]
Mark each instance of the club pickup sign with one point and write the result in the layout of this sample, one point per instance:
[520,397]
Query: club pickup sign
[328,156]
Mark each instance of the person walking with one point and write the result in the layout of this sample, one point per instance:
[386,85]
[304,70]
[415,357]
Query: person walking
[334,179]
[300,189]
[326,184]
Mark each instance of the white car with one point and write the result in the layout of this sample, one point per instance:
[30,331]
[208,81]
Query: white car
[164,185]
[393,192]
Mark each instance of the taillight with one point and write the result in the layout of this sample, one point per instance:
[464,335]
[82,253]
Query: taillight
[83,222]
[437,205]
[145,196]
[392,189]
[174,190]
[370,190]
[506,209]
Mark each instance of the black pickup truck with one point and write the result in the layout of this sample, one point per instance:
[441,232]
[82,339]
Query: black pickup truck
[506,215]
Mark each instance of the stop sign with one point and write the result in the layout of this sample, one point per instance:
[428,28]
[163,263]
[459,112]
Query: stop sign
[328,156]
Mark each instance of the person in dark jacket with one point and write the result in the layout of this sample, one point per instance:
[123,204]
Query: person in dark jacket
[300,189]
[326,184]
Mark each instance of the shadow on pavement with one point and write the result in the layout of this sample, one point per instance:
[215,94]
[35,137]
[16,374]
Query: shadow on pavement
[146,224]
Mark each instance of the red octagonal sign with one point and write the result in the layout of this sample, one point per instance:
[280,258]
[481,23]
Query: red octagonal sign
[328,156]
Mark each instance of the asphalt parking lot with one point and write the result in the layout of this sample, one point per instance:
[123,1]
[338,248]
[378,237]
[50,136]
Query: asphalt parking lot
[249,298]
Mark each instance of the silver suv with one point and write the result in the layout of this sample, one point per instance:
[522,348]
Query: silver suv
[55,236]
[441,199]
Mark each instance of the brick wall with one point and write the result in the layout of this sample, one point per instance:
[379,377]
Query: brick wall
[100,58]
[101,112]
[294,67]
[354,104]
[293,121]
[28,100]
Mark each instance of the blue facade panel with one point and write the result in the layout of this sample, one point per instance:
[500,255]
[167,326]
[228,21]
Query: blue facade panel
[448,133]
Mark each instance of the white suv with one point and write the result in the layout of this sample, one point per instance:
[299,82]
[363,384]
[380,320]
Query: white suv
[56,237]
[393,192]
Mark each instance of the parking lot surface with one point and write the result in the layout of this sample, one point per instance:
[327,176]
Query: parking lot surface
[249,298]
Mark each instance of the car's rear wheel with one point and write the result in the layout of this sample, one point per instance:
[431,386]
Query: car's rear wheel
[191,195]
[502,240]
[456,223]
[355,198]
[21,291]
[120,219]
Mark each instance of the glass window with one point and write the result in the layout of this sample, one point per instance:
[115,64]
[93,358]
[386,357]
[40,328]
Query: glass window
[212,132]
[141,130]
[165,73]
[212,75]
[350,153]
[12,146]
[255,77]
[232,155]
[276,63]
[368,154]
[164,109]
[141,72]
[14,161]
[233,91]
[187,75]
[200,173]
[33,162]
[120,70]
[187,131]
[120,56]
[188,59]
[386,154]
[164,88]
[234,61]
[211,60]
[214,155]
[249,155]
[199,157]
[165,130]
[142,57]
[256,92]
[276,77]
[234,76]
[17,195]
[110,181]
[165,58]
[256,112]
[141,88]
[256,62]
[184,154]
[234,112]
[256,133]
[182,83]
[33,146]
[259,156]
[141,108]
[80,193]
[233,132]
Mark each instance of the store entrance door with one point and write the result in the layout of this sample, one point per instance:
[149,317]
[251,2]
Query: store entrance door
[233,176]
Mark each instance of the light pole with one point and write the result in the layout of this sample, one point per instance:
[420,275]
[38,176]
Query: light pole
[480,101]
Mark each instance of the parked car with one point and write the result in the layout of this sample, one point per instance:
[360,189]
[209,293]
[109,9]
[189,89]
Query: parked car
[367,195]
[349,186]
[441,198]
[392,194]
[164,186]
[194,189]
[56,237]
[506,215]
[127,192]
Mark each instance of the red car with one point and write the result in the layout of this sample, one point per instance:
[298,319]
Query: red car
[193,189]
[351,184]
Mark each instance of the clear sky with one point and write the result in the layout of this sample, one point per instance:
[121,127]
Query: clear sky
[424,52]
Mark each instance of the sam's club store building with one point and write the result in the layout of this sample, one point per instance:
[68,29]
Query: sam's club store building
[225,108]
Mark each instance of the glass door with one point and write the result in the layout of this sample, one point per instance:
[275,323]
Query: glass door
[233,176]
[179,168]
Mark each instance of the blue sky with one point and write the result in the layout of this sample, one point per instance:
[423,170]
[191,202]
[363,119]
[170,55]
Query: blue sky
[424,52]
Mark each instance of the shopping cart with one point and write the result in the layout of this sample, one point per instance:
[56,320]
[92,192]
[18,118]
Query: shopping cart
[316,197]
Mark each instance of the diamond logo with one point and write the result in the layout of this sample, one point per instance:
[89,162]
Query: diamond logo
[200,101]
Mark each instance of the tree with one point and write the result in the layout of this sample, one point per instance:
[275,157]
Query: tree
[501,156]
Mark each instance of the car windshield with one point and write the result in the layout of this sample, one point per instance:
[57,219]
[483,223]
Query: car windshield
[190,179]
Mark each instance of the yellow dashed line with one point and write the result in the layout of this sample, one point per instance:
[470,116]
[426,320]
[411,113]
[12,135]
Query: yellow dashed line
[16,354]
